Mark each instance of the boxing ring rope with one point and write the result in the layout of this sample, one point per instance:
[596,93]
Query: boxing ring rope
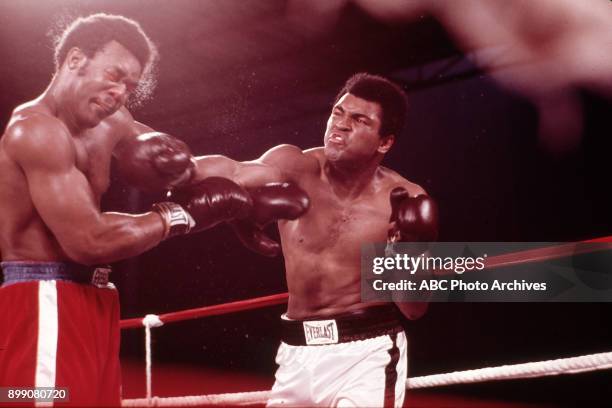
[214,310]
[497,261]
[572,365]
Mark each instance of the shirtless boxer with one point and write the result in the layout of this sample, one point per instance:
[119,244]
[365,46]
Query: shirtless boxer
[336,350]
[59,320]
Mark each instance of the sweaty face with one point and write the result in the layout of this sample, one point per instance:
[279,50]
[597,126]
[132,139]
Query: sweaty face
[104,82]
[352,133]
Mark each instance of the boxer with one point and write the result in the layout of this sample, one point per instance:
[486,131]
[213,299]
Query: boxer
[59,325]
[337,350]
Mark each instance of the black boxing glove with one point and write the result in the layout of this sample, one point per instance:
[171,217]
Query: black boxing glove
[415,218]
[271,202]
[254,238]
[204,205]
[275,201]
[155,162]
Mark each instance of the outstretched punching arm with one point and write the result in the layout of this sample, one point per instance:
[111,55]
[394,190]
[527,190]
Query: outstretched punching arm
[279,164]
[273,182]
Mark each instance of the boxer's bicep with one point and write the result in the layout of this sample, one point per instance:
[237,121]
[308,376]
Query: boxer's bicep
[64,200]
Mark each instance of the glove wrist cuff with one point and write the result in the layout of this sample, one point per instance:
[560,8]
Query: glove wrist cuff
[177,221]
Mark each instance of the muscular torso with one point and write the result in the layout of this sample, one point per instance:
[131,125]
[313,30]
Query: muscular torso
[322,249]
[23,234]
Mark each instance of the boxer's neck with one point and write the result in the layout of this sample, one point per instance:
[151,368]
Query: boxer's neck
[56,98]
[350,181]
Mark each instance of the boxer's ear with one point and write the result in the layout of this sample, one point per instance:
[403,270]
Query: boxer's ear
[75,58]
[385,143]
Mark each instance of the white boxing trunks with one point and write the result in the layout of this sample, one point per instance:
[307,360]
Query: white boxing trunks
[349,360]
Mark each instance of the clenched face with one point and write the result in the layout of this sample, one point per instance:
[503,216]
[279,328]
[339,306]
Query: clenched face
[102,83]
[352,134]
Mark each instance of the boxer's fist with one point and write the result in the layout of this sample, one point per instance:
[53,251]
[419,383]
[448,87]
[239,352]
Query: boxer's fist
[276,201]
[254,238]
[155,162]
[206,204]
[271,202]
[415,219]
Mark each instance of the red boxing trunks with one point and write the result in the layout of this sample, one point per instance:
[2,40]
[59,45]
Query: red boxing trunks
[59,327]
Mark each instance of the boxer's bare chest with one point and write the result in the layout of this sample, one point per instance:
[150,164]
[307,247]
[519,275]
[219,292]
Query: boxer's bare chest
[334,221]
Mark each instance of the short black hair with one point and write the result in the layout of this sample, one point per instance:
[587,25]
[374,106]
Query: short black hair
[90,34]
[390,96]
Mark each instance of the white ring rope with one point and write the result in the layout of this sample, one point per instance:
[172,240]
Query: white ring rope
[149,321]
[572,365]
[238,398]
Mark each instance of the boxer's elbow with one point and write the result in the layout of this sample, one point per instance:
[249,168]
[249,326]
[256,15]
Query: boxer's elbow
[85,253]
[413,310]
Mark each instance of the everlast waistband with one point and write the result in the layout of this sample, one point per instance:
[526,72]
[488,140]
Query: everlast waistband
[25,271]
[359,325]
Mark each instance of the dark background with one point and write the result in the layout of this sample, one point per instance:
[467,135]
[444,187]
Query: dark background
[238,77]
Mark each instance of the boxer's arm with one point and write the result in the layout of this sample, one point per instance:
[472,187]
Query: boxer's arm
[271,202]
[125,127]
[279,164]
[63,198]
[248,173]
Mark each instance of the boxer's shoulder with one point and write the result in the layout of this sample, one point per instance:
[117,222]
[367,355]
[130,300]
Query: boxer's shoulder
[285,151]
[32,130]
[291,158]
[34,135]
[392,179]
[316,154]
